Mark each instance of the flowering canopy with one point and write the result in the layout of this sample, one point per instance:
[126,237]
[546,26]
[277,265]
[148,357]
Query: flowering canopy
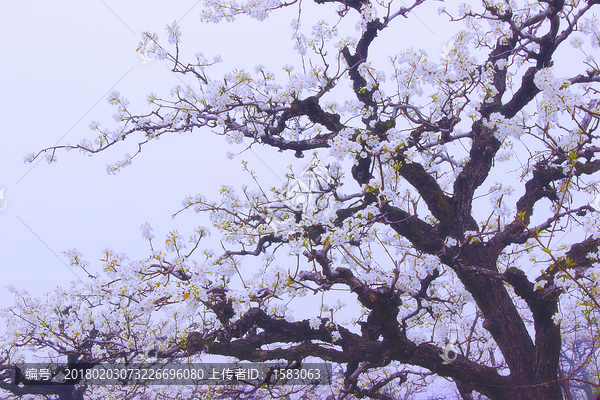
[431,244]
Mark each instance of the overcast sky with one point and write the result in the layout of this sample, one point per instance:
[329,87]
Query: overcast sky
[59,61]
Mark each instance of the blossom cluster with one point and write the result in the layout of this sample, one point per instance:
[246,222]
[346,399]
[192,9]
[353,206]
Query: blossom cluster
[368,13]
[557,98]
[216,10]
[174,33]
[112,169]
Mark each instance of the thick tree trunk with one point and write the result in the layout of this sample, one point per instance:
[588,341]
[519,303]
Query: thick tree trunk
[531,365]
